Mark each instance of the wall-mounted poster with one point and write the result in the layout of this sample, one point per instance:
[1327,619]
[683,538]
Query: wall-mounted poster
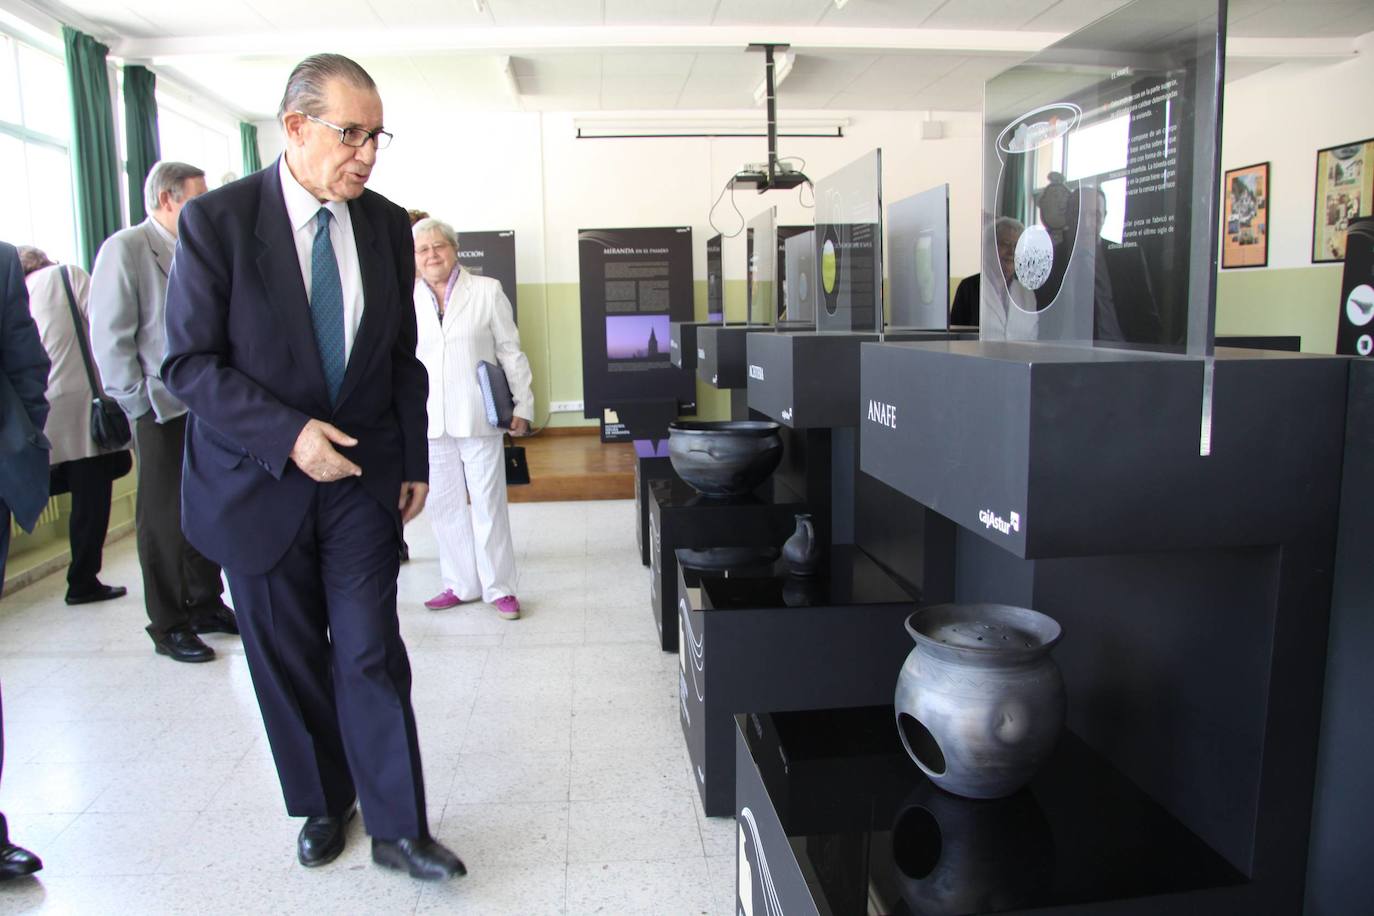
[491,254]
[1345,191]
[1245,217]
[634,282]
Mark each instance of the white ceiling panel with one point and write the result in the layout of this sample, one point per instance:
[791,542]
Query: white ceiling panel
[658,12]
[905,73]
[652,63]
[419,14]
[542,12]
[986,14]
[1071,15]
[1306,20]
[770,12]
[629,101]
[150,18]
[305,14]
[823,75]
[882,14]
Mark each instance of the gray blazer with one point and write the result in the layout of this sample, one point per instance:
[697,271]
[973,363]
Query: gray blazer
[128,332]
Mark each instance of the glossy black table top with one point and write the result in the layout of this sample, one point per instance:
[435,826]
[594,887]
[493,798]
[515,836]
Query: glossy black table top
[674,493]
[847,576]
[879,837]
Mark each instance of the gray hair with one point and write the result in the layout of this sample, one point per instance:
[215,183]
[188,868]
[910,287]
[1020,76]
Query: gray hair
[309,81]
[169,176]
[1007,225]
[430,224]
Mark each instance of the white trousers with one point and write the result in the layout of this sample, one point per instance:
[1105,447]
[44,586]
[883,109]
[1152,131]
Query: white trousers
[476,556]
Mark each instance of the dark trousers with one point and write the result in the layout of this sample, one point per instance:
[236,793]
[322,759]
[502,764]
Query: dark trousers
[330,670]
[177,581]
[4,542]
[88,480]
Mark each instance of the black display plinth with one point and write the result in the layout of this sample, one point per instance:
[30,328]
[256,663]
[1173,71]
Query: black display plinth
[647,469]
[721,356]
[808,379]
[681,517]
[762,639]
[682,345]
[1193,591]
[835,819]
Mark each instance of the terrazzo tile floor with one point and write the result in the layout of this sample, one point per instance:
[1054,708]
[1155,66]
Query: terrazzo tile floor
[553,759]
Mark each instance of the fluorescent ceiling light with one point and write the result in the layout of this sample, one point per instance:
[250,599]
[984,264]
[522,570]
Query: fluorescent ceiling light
[782,65]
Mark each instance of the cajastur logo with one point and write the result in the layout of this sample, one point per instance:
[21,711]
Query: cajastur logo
[994,521]
[756,372]
[882,414]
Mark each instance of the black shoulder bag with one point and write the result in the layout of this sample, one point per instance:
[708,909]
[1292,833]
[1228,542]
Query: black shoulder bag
[109,426]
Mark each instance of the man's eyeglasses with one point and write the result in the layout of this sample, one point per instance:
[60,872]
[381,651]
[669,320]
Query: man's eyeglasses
[425,250]
[354,136]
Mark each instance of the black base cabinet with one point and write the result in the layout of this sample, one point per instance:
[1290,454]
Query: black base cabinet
[835,820]
[763,639]
[647,469]
[681,517]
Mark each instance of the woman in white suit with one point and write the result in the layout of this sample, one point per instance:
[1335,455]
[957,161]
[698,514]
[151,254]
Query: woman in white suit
[463,319]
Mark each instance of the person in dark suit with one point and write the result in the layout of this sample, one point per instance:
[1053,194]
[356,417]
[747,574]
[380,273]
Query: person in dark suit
[23,462]
[291,339]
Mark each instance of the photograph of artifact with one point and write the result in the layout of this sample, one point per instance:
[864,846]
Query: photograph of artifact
[1245,239]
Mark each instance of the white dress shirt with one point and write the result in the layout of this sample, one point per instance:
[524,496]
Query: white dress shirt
[301,207]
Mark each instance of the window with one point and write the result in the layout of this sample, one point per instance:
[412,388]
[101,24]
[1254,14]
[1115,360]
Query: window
[198,137]
[35,139]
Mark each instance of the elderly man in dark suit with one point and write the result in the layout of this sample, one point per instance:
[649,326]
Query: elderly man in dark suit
[23,461]
[291,338]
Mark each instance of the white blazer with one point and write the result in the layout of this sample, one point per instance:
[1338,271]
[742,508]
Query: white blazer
[478,324]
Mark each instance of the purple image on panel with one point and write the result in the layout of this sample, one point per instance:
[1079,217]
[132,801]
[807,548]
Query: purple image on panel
[651,448]
[637,337]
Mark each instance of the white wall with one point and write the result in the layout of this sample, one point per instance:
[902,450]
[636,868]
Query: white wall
[1283,116]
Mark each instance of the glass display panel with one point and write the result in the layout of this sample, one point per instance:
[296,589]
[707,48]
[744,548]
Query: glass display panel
[849,247]
[1100,183]
[715,282]
[784,233]
[801,281]
[761,289]
[734,277]
[918,260]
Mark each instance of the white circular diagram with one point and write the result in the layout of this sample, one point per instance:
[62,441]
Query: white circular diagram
[1359,305]
[1034,257]
[1365,345]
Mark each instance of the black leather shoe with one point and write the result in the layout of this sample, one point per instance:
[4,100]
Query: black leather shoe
[183,646]
[15,861]
[216,620]
[101,593]
[405,552]
[426,858]
[322,838]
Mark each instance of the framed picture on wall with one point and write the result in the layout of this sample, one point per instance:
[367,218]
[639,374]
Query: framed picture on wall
[1345,188]
[1245,217]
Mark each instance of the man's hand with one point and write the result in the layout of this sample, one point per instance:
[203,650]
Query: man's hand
[314,452]
[412,499]
[519,426]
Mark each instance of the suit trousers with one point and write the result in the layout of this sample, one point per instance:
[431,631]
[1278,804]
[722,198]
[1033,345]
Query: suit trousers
[476,554]
[88,480]
[330,670]
[178,583]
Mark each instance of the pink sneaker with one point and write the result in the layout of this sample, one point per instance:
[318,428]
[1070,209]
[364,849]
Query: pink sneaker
[508,607]
[443,600]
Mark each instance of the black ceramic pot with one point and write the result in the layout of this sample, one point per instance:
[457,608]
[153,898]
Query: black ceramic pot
[724,458]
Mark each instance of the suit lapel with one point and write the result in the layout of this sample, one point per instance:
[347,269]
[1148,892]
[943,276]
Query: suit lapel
[162,252]
[371,264]
[458,302]
[280,268]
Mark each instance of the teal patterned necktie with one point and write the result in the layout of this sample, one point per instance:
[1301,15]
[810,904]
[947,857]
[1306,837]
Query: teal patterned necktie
[326,305]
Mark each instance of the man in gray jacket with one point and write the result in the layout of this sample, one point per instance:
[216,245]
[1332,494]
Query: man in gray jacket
[181,588]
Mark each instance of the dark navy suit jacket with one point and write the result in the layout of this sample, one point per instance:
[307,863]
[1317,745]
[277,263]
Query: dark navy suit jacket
[23,404]
[241,354]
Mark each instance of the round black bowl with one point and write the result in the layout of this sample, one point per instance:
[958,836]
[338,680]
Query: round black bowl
[726,457]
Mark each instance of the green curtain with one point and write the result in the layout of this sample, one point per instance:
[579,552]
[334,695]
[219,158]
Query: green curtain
[140,132]
[95,161]
[248,136]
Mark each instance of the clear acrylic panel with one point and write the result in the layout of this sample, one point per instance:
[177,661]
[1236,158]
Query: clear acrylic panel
[761,246]
[849,246]
[918,260]
[734,278]
[801,281]
[1100,183]
[715,282]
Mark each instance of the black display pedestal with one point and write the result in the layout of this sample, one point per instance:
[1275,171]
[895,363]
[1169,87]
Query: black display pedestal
[1193,591]
[835,820]
[761,639]
[681,517]
[721,355]
[647,469]
[682,345]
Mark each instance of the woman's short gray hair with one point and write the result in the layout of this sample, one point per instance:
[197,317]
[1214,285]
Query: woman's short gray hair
[169,176]
[307,85]
[430,224]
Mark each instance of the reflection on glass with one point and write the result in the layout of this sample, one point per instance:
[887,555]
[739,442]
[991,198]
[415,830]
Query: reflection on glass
[1099,173]
[849,234]
[760,243]
[918,259]
[785,290]
[715,282]
[801,280]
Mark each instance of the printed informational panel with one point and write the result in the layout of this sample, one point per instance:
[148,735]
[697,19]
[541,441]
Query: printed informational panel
[1355,333]
[1345,192]
[491,254]
[715,282]
[1100,192]
[849,246]
[800,271]
[761,289]
[918,260]
[633,283]
[784,303]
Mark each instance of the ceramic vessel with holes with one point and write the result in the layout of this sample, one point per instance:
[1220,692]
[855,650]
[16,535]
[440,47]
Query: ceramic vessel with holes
[979,701]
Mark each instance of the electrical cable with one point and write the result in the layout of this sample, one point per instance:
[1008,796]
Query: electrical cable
[711,214]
